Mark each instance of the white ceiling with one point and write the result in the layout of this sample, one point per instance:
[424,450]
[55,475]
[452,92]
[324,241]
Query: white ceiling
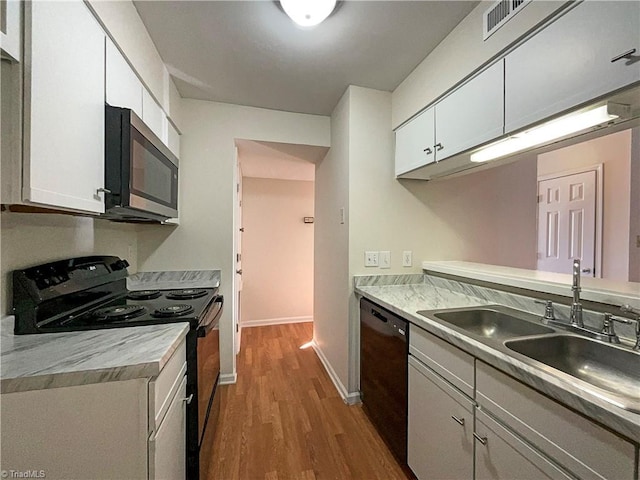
[250,53]
[282,161]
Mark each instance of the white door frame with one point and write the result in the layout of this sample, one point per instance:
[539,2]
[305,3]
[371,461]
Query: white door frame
[598,168]
[235,307]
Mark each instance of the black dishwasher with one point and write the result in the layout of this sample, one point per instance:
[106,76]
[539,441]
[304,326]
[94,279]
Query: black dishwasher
[383,374]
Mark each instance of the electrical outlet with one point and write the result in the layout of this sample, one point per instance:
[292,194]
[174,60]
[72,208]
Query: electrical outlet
[385,259]
[370,259]
[406,258]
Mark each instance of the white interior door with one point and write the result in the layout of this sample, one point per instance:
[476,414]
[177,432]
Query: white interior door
[567,223]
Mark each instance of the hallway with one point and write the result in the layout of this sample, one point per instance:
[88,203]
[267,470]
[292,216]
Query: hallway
[284,419]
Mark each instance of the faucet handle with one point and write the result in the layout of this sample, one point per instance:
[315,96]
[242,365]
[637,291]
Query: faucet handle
[548,311]
[608,327]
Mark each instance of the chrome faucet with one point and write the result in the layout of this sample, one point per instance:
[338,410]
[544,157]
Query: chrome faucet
[576,306]
[636,312]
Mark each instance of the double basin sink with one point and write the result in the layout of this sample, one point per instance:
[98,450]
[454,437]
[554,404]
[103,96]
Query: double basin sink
[612,372]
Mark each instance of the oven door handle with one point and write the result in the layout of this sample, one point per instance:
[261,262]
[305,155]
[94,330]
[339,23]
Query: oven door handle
[203,330]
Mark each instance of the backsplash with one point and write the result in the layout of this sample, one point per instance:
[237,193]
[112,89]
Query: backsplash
[29,239]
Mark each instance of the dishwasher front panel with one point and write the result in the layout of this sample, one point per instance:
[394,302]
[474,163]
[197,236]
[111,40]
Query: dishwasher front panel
[383,374]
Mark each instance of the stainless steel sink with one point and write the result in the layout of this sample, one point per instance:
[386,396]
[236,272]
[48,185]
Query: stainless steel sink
[612,369]
[495,323]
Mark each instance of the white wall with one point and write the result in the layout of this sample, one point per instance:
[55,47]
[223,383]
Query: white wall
[634,211]
[277,251]
[29,239]
[614,152]
[204,239]
[485,217]
[462,52]
[331,250]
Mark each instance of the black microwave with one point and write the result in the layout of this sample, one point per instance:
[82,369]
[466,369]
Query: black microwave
[141,173]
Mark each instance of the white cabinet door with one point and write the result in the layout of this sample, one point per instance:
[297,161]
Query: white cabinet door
[414,143]
[64,107]
[570,61]
[167,446]
[472,115]
[123,88]
[153,116]
[500,455]
[10,31]
[173,140]
[440,427]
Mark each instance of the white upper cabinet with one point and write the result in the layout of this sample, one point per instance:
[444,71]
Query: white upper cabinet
[123,87]
[573,61]
[414,143]
[173,139]
[64,107]
[154,117]
[473,114]
[10,29]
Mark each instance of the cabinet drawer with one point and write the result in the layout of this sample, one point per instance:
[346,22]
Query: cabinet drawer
[504,453]
[448,361]
[578,444]
[161,388]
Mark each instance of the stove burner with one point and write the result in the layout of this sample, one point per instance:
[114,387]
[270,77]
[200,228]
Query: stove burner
[173,310]
[120,312]
[186,293]
[144,295]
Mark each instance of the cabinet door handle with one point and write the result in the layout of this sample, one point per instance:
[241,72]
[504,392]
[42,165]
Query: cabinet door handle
[428,151]
[623,55]
[188,399]
[438,147]
[482,440]
[459,420]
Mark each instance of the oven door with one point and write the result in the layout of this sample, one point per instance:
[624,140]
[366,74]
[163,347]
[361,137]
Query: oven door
[208,365]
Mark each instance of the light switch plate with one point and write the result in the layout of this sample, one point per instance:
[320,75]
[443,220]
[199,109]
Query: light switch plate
[406,258]
[385,259]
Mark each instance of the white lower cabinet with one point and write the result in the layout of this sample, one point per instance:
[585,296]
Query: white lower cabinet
[132,429]
[500,454]
[513,431]
[440,429]
[166,461]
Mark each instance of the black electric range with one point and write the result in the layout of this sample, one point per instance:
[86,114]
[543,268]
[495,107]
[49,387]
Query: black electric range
[90,293]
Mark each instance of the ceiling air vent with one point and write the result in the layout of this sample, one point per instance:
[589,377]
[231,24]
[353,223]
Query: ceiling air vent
[500,13]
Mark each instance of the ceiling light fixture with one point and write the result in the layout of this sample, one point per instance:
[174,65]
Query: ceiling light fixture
[308,13]
[553,130]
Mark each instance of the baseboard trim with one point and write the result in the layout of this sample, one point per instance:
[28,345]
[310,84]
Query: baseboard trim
[348,398]
[274,321]
[228,378]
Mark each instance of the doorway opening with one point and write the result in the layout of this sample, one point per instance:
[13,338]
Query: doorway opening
[275,233]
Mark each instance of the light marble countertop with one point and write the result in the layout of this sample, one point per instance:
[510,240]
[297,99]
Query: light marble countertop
[406,299]
[174,279]
[52,360]
[595,289]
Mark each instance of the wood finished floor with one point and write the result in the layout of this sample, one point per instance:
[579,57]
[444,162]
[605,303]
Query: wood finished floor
[284,419]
